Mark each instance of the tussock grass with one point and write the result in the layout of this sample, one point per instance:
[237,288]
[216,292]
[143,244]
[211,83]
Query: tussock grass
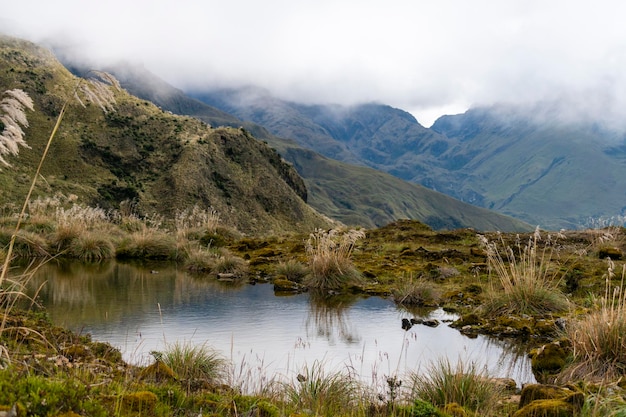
[196,220]
[416,292]
[149,244]
[91,246]
[196,365]
[329,254]
[597,339]
[527,284]
[324,394]
[462,384]
[292,270]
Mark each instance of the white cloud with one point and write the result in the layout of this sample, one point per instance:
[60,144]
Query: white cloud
[422,56]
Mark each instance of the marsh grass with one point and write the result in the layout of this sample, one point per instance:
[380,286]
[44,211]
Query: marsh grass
[196,365]
[463,384]
[148,244]
[91,247]
[329,258]
[323,393]
[292,270]
[416,292]
[528,283]
[597,339]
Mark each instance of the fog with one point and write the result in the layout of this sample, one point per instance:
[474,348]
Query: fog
[429,58]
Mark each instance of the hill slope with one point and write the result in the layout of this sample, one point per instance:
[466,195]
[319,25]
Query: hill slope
[540,170]
[136,151]
[351,194]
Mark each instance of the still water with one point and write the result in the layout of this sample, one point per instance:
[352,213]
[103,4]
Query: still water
[140,309]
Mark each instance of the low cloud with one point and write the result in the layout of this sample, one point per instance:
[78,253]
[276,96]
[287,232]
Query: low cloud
[424,57]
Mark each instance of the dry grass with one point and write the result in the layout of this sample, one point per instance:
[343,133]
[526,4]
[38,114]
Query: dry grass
[196,366]
[598,343]
[416,292]
[528,284]
[329,255]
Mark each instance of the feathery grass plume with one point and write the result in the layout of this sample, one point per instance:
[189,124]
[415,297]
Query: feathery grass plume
[329,255]
[12,119]
[528,284]
[463,384]
[206,220]
[27,103]
[598,342]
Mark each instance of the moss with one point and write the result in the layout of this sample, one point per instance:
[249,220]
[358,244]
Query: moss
[546,408]
[158,372]
[455,410]
[143,402]
[549,358]
[285,285]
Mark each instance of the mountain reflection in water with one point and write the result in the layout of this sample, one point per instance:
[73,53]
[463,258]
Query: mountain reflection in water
[143,308]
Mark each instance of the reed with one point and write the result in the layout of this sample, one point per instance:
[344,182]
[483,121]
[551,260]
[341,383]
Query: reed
[329,254]
[528,284]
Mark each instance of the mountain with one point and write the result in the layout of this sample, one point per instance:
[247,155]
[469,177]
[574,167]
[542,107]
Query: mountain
[354,195]
[112,146]
[526,163]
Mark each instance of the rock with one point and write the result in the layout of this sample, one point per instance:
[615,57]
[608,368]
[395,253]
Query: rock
[431,323]
[406,324]
[548,359]
[549,401]
[285,285]
[546,408]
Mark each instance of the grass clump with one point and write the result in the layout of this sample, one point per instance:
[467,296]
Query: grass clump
[91,246]
[148,244]
[292,270]
[323,394]
[463,384]
[416,292]
[527,283]
[598,343]
[196,366]
[329,254]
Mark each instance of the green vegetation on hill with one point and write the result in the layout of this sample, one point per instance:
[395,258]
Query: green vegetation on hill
[135,151]
[351,194]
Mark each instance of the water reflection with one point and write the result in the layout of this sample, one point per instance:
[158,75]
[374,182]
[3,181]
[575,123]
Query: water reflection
[328,317]
[143,307]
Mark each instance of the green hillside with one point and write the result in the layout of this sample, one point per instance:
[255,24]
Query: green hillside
[139,152]
[354,195]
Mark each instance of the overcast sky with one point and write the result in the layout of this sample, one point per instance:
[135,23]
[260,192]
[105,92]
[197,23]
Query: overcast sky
[428,57]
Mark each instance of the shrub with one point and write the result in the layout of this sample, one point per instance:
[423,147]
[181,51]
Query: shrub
[527,284]
[329,259]
[463,384]
[598,343]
